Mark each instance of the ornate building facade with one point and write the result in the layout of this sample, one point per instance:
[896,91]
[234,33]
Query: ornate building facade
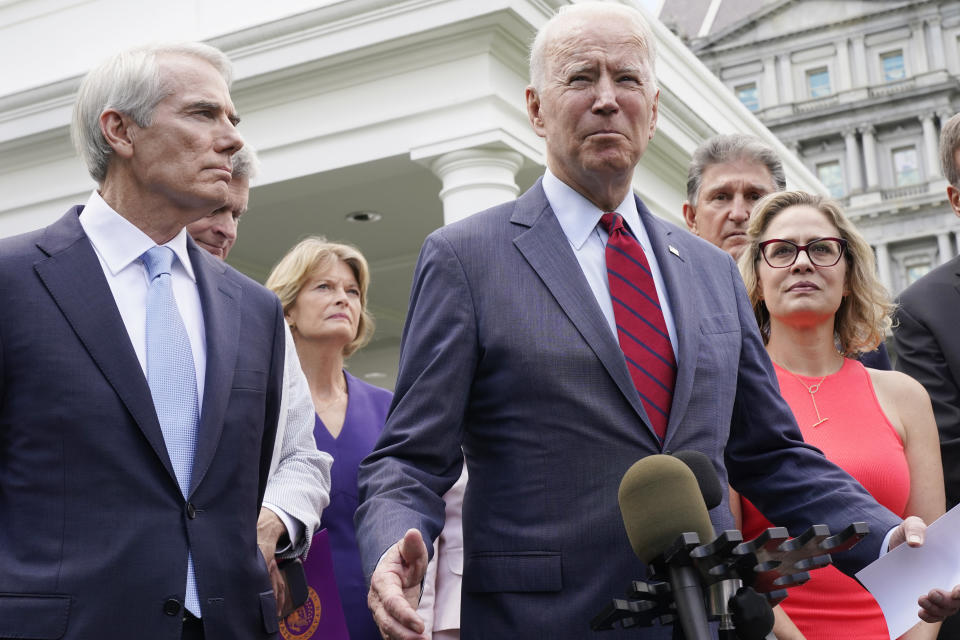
[858,90]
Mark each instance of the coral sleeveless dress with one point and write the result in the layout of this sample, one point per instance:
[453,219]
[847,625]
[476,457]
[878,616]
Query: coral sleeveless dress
[856,435]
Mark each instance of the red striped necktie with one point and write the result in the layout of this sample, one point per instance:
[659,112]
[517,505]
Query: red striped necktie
[641,328]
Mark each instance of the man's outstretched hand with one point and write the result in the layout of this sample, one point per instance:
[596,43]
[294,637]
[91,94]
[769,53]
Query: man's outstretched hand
[395,589]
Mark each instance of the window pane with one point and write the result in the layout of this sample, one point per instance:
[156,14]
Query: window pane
[917,271]
[906,166]
[830,176]
[818,82]
[893,68]
[747,94]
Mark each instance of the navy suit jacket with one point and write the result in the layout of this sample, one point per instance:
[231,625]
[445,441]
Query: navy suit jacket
[928,348]
[94,530]
[507,352]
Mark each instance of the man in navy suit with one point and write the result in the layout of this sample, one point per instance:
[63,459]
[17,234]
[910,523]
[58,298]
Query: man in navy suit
[511,350]
[928,343]
[121,517]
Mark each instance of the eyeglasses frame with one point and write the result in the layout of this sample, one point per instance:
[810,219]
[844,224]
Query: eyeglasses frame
[803,247]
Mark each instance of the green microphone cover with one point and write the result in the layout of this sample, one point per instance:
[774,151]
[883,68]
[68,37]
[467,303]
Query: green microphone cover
[660,499]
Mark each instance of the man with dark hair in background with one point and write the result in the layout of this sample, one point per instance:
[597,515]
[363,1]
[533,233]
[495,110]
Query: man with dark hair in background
[927,339]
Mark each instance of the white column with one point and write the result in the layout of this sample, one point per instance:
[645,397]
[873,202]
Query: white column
[868,132]
[786,78]
[883,265]
[957,240]
[936,44]
[930,145]
[919,40]
[476,179]
[769,92]
[943,246]
[859,76]
[854,179]
[844,74]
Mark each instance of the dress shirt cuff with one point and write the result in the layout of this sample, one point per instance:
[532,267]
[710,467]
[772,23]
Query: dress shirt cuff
[294,527]
[886,542]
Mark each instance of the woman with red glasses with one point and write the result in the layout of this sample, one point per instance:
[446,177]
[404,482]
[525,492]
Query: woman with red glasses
[811,278]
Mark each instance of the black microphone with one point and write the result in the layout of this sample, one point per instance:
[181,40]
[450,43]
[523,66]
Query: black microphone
[659,500]
[738,607]
[706,475]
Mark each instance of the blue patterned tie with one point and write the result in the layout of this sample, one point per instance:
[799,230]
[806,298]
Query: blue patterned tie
[172,377]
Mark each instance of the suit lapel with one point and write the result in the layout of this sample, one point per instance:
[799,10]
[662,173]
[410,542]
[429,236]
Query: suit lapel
[220,301]
[73,276]
[673,256]
[546,248]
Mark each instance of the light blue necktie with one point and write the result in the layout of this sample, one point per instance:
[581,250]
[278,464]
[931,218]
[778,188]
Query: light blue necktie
[172,377]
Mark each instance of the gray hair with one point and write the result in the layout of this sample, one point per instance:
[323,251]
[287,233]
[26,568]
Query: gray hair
[538,50]
[131,83]
[949,143]
[729,148]
[246,164]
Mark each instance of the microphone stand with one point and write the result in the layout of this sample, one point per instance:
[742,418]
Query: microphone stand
[743,581]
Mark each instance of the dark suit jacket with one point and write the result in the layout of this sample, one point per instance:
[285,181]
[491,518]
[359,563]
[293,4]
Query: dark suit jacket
[876,359]
[927,342]
[506,350]
[93,527]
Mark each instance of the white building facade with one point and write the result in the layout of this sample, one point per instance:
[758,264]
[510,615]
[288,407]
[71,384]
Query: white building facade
[376,121]
[859,91]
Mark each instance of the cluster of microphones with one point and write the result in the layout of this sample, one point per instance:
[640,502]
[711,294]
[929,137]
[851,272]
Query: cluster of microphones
[695,577]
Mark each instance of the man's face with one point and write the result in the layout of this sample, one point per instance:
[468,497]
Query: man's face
[217,231]
[597,108]
[728,192]
[182,161]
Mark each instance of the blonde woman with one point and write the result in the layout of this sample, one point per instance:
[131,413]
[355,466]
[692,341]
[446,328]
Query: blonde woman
[323,288]
[810,277]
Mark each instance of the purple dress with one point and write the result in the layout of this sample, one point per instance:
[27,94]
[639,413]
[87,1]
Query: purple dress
[367,407]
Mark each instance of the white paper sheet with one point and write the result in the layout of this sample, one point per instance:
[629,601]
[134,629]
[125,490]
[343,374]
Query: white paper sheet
[900,577]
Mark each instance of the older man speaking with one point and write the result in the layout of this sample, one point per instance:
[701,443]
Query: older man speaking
[558,339]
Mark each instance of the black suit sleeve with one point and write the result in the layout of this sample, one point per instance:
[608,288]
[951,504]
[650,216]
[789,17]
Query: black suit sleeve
[921,356]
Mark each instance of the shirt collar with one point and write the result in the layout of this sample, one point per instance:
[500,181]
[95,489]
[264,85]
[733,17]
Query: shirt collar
[578,216]
[119,242]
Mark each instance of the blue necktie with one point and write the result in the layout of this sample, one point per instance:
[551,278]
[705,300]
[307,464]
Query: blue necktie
[172,377]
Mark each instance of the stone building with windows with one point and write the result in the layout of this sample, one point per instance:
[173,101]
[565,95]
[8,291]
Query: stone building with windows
[859,90]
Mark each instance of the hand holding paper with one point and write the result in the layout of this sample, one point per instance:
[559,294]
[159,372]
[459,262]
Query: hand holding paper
[929,564]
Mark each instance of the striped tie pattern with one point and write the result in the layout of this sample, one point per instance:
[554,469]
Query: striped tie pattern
[641,328]
[172,377]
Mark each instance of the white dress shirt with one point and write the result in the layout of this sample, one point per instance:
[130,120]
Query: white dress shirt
[119,244]
[580,220]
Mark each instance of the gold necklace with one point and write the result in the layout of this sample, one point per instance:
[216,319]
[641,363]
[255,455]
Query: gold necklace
[812,390]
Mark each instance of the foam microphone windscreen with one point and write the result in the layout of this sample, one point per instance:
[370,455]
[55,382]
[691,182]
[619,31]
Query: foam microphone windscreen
[660,499]
[706,475]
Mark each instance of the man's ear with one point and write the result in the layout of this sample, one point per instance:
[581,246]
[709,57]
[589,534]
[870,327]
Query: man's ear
[117,129]
[654,111]
[690,217]
[533,111]
[953,195]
